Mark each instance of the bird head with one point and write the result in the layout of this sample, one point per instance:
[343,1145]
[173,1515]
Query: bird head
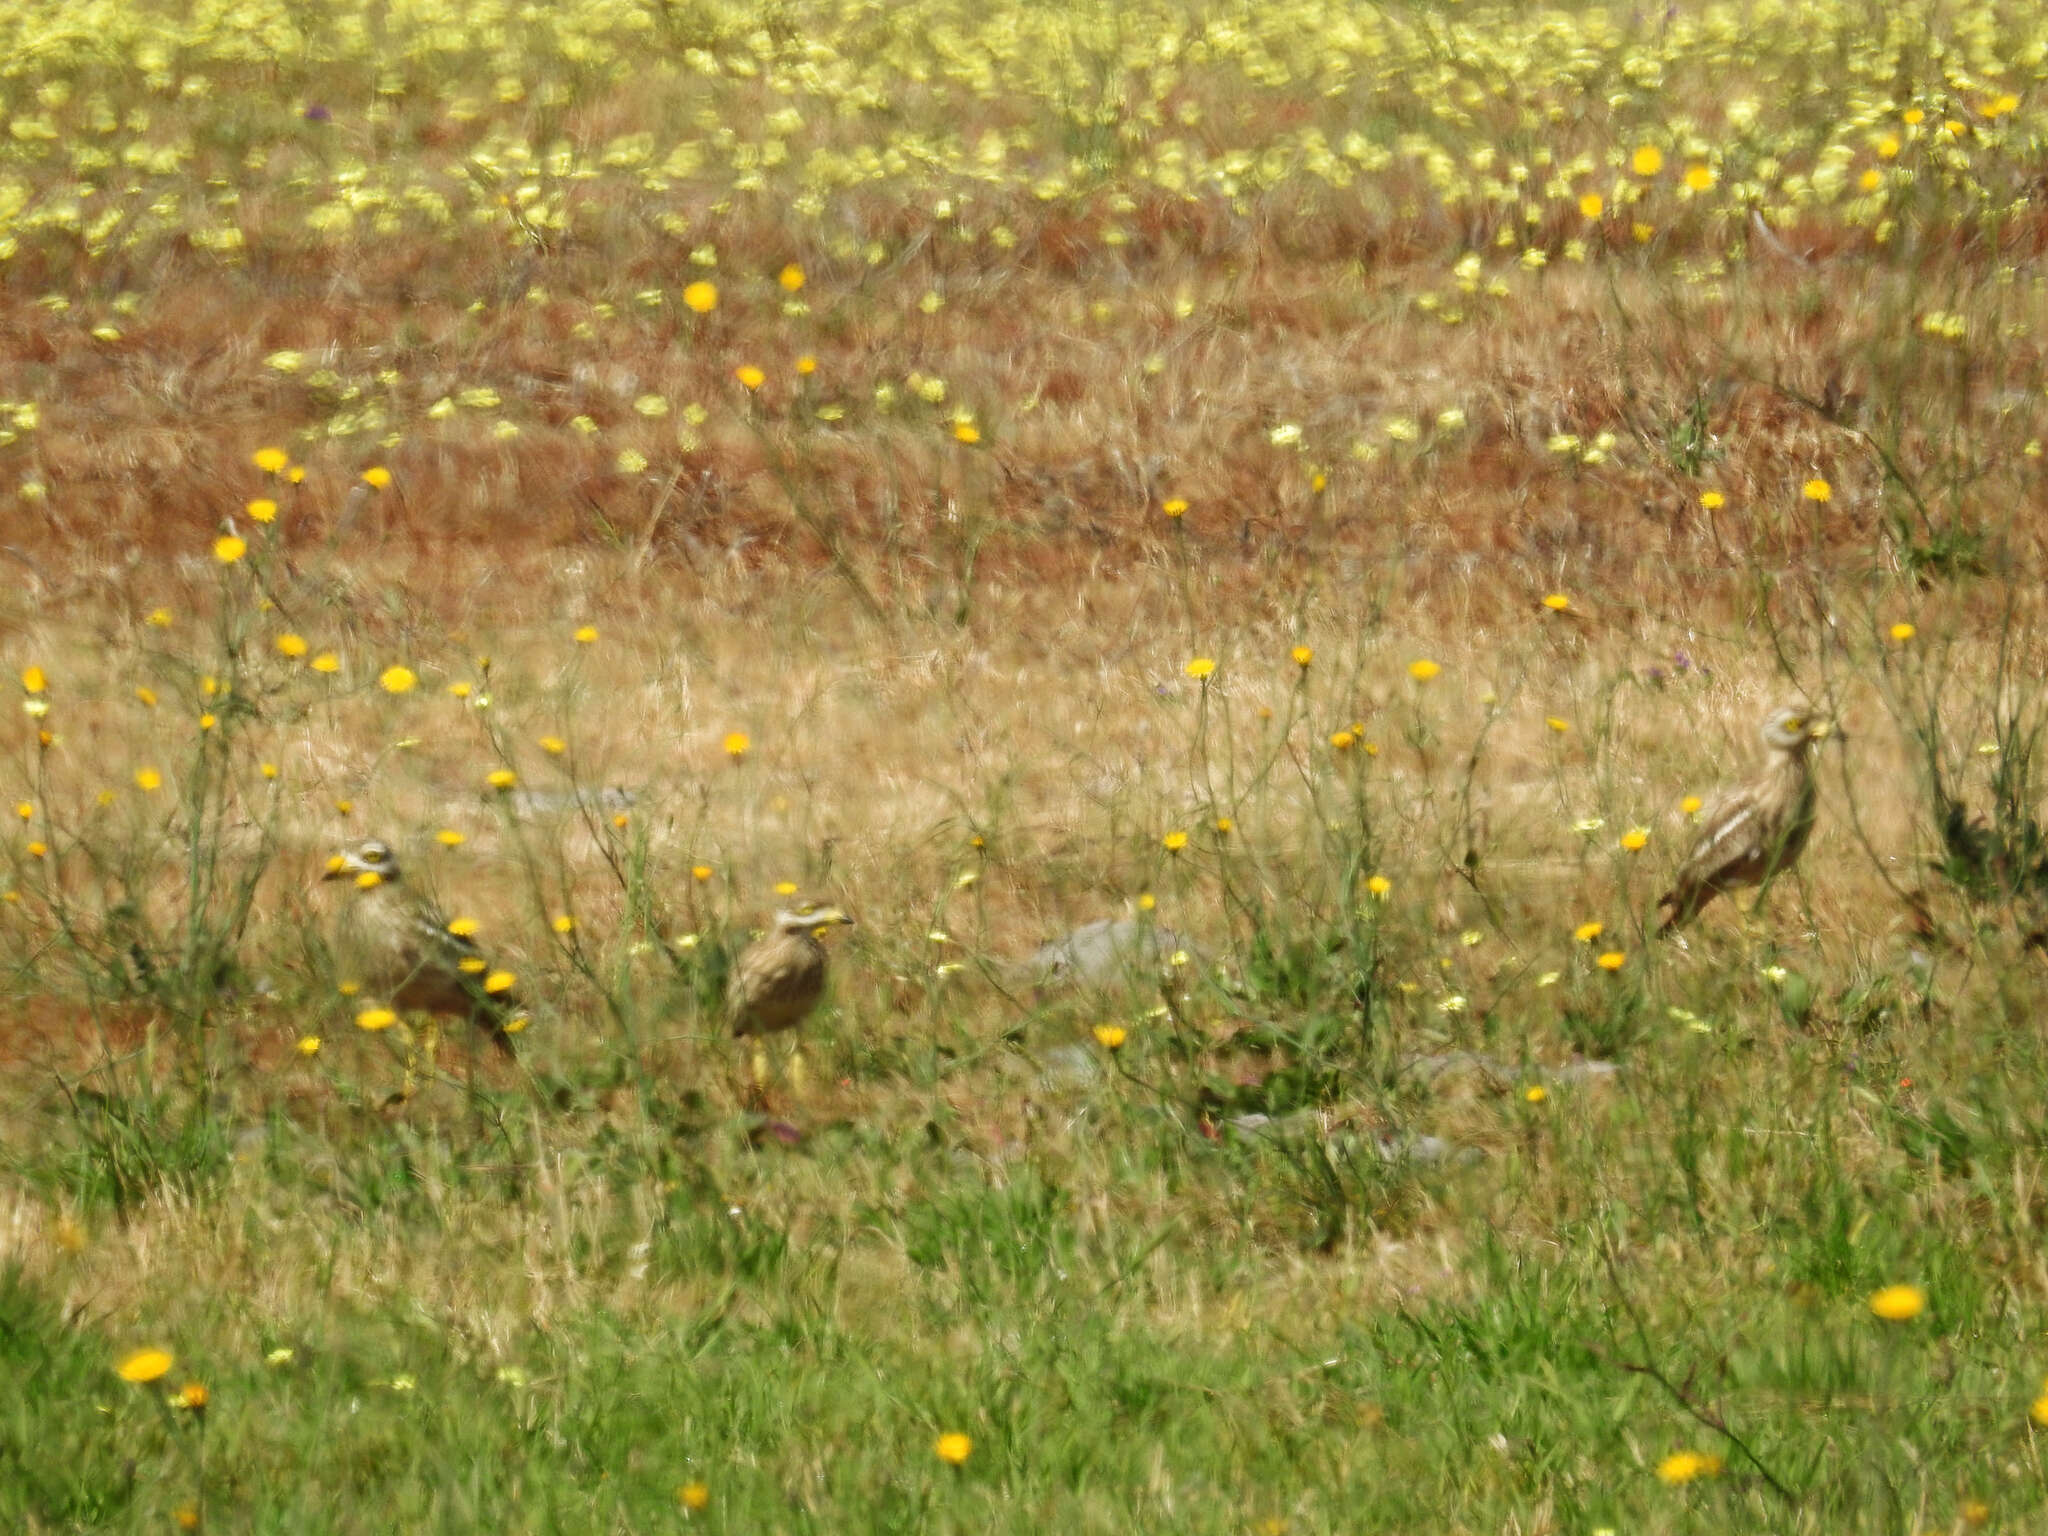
[368,863]
[1794,727]
[812,917]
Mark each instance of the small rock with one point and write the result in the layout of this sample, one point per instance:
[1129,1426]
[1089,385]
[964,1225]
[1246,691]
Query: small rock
[1107,952]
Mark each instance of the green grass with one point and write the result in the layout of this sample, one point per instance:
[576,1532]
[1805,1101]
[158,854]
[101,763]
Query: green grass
[1127,1316]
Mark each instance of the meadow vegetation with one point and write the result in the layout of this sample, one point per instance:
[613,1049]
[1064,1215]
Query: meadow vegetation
[1336,483]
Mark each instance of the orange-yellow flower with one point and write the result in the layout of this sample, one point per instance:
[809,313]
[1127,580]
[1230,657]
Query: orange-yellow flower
[1899,1303]
[701,297]
[750,376]
[144,1365]
[1648,160]
[1688,1466]
[270,460]
[954,1448]
[1423,670]
[1110,1037]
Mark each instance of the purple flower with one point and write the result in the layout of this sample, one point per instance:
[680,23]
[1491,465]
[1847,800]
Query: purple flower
[316,113]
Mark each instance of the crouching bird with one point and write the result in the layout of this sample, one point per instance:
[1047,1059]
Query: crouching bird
[779,978]
[1751,834]
[397,946]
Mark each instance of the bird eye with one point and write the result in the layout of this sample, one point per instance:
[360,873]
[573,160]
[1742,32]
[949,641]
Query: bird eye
[1795,723]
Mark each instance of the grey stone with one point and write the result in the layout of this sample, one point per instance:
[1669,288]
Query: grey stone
[611,800]
[1111,951]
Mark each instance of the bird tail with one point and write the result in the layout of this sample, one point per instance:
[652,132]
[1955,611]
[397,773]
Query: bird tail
[500,1017]
[1680,905]
[501,1036]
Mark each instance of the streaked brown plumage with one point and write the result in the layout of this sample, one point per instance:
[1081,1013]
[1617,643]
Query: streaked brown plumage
[779,978]
[1753,833]
[396,945]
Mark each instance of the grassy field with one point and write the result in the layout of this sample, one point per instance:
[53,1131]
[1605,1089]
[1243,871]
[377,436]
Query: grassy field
[1335,485]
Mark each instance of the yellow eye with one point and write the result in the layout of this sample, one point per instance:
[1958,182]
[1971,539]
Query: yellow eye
[1795,723]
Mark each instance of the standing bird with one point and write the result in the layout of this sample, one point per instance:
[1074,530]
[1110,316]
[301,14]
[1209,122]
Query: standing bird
[1752,834]
[397,945]
[779,978]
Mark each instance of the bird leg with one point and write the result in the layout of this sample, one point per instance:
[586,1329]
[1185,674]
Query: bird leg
[755,1093]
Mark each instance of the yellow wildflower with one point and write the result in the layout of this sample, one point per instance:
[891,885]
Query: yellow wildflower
[144,1365]
[1899,1303]
[1682,1467]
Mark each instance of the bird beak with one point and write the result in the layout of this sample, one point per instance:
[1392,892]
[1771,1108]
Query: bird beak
[830,917]
[336,868]
[1821,730]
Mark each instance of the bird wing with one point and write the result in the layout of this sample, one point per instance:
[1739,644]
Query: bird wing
[1728,832]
